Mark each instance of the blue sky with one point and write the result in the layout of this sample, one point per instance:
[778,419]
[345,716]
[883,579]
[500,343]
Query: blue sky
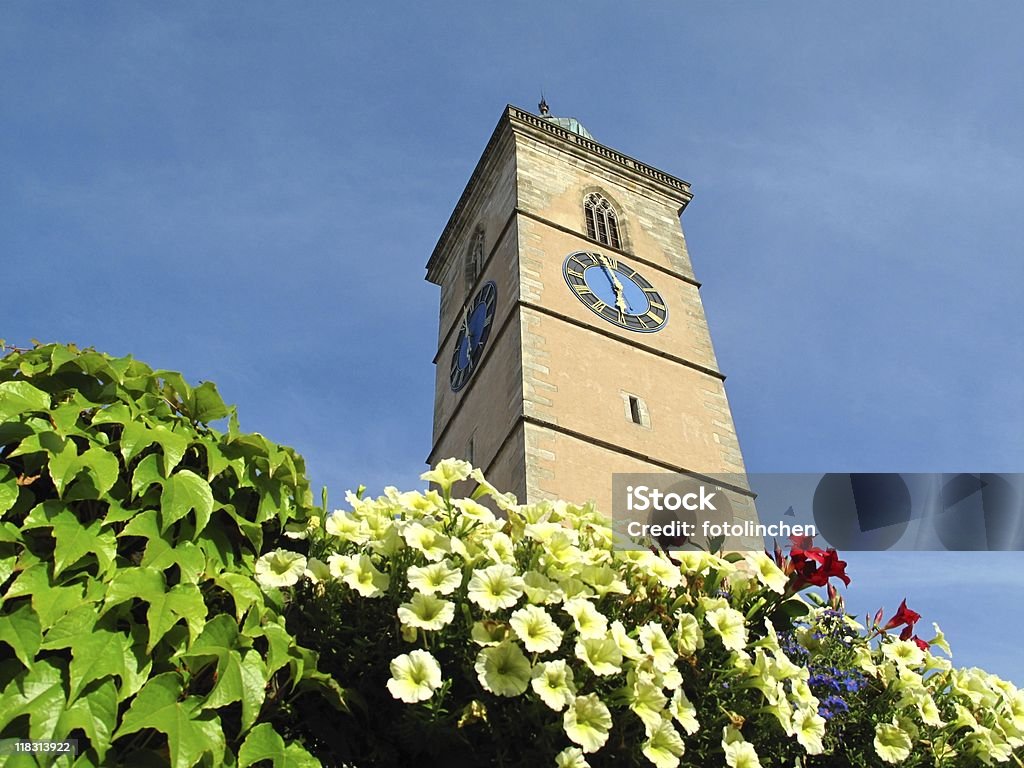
[248,193]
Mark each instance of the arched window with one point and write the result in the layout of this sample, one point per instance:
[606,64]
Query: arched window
[602,223]
[474,257]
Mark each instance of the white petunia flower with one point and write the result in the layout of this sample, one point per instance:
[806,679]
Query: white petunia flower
[414,677]
[553,682]
[536,629]
[664,746]
[590,623]
[426,612]
[601,654]
[587,722]
[503,669]
[495,587]
[280,568]
[442,578]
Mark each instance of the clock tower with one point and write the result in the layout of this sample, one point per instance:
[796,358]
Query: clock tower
[572,341]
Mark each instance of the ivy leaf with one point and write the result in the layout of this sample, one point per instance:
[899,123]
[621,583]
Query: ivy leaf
[118,413]
[20,396]
[37,692]
[254,687]
[103,466]
[96,715]
[157,706]
[173,445]
[205,403]
[228,687]
[183,601]
[75,541]
[147,473]
[184,491]
[64,464]
[70,627]
[96,656]
[262,743]
[130,583]
[135,437]
[243,590]
[162,554]
[21,630]
[8,489]
[278,643]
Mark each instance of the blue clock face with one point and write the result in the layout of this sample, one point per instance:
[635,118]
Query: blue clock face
[473,334]
[615,291]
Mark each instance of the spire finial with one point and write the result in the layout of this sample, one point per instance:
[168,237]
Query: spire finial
[543,106]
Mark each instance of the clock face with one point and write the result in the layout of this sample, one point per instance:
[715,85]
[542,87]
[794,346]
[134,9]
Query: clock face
[473,333]
[615,291]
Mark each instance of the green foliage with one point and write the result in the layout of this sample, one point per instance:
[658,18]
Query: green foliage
[129,528]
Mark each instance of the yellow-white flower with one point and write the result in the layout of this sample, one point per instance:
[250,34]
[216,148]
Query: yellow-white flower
[541,590]
[892,743]
[500,549]
[346,527]
[590,623]
[587,722]
[688,637]
[663,746]
[647,702]
[503,669]
[665,572]
[741,754]
[601,654]
[767,572]
[939,641]
[426,612]
[448,472]
[317,571]
[604,580]
[365,579]
[904,652]
[571,757]
[683,711]
[489,632]
[442,578]
[731,627]
[552,681]
[495,587]
[414,676]
[341,565]
[657,646]
[280,568]
[434,545]
[474,511]
[810,729]
[630,648]
[536,629]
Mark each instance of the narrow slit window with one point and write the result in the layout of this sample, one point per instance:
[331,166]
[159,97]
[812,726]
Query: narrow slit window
[601,220]
[474,258]
[634,410]
[469,451]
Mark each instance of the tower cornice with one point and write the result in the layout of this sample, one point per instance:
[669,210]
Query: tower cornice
[519,120]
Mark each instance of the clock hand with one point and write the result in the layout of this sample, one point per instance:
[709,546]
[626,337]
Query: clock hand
[620,300]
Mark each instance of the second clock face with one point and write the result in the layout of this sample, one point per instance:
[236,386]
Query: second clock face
[615,291]
[473,333]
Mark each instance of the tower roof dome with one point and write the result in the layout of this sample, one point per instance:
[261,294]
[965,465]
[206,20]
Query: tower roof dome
[568,123]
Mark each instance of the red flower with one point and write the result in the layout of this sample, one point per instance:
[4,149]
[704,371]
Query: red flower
[922,644]
[903,616]
[803,544]
[831,566]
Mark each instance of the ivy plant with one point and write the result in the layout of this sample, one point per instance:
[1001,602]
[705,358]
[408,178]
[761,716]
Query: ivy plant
[130,619]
